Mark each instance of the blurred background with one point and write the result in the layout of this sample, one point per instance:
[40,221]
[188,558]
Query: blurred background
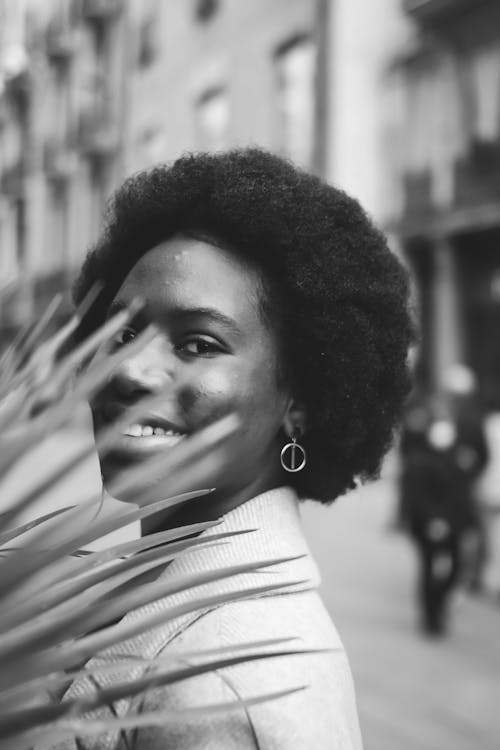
[397,102]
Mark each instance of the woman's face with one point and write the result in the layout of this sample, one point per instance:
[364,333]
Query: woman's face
[213,354]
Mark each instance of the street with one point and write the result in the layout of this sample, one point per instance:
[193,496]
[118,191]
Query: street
[413,693]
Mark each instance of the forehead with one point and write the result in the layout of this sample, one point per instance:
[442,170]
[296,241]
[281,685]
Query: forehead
[187,272]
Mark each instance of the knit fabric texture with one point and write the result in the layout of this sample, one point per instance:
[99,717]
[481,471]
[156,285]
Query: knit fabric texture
[321,716]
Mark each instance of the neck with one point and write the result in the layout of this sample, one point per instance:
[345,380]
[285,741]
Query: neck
[219,503]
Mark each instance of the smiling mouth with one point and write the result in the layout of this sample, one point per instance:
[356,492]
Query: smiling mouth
[142,431]
[139,441]
[150,433]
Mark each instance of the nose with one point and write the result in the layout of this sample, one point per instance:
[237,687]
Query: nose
[146,373]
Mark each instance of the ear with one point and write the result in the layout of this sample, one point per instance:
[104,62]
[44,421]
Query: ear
[295,419]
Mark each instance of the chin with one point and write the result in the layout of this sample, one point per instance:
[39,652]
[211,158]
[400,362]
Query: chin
[110,473]
[155,489]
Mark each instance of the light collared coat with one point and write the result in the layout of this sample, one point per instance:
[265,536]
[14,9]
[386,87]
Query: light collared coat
[323,716]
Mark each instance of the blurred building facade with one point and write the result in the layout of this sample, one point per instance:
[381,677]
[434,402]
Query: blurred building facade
[62,100]
[215,74]
[396,101]
[304,78]
[92,90]
[445,194]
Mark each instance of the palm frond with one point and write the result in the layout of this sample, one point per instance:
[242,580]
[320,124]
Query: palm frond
[6,536]
[61,470]
[96,583]
[127,662]
[57,598]
[35,715]
[68,727]
[49,564]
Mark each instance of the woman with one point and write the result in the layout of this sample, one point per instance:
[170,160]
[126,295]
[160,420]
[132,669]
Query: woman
[274,297]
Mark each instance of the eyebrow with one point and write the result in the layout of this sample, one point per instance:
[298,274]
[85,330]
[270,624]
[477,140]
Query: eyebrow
[215,316]
[115,307]
[178,313]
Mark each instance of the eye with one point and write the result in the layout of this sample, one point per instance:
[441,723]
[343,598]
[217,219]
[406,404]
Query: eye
[125,336]
[201,346]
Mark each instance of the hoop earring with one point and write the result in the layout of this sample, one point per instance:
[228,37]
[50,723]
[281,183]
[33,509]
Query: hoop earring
[293,447]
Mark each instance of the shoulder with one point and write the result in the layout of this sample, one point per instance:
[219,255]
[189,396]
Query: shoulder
[322,715]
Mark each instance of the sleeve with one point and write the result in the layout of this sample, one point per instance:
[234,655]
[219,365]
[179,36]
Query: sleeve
[322,715]
[228,730]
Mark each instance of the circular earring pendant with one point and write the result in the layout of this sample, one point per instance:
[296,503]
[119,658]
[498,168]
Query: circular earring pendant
[290,461]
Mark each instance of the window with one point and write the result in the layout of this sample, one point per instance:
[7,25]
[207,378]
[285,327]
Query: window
[148,46]
[485,79]
[205,9]
[435,130]
[212,119]
[295,64]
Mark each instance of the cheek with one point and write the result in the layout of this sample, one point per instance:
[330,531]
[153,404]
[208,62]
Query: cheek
[211,394]
[253,392]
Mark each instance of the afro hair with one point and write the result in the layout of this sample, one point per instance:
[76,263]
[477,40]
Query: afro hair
[343,294]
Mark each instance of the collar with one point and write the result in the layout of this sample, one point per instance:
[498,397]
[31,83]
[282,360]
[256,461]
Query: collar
[276,532]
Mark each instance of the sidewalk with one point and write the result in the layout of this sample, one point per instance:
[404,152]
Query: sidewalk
[413,693]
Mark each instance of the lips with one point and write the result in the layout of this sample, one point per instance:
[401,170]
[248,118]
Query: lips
[141,430]
[140,438]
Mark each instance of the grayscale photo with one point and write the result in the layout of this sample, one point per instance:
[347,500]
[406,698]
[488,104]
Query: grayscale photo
[249,374]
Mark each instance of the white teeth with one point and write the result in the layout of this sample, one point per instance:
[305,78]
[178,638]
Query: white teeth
[135,430]
[138,430]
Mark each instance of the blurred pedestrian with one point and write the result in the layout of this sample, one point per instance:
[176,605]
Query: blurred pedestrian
[472,456]
[443,450]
